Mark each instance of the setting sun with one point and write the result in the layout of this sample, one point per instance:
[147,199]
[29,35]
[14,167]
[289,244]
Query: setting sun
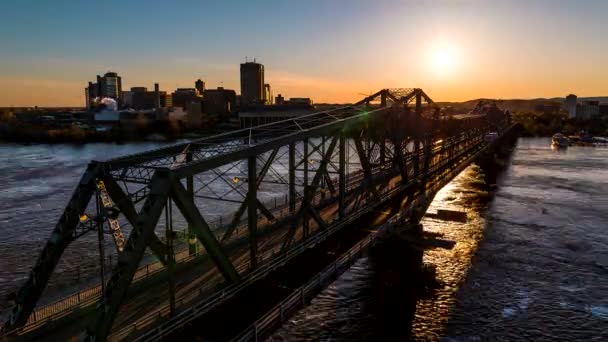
[443,59]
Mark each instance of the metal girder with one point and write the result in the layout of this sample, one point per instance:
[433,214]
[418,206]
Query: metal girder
[310,189]
[292,177]
[315,215]
[266,145]
[126,207]
[241,210]
[106,205]
[129,259]
[62,235]
[252,212]
[401,162]
[342,177]
[204,234]
[367,170]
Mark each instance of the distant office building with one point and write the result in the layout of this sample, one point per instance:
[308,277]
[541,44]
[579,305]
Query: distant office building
[603,108]
[108,85]
[142,99]
[199,85]
[183,96]
[127,98]
[91,92]
[268,99]
[588,110]
[260,115]
[166,100]
[194,114]
[219,101]
[279,100]
[139,89]
[570,105]
[252,83]
[302,101]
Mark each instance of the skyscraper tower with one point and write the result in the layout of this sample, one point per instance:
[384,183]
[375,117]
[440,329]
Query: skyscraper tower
[252,83]
[200,86]
[570,104]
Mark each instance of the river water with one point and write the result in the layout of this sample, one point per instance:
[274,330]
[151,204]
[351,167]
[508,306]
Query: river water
[531,263]
[36,182]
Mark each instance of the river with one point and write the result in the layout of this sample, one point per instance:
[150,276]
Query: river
[531,263]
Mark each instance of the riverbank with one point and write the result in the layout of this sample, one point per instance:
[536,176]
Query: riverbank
[162,130]
[545,124]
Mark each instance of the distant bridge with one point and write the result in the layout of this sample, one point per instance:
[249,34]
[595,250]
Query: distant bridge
[286,186]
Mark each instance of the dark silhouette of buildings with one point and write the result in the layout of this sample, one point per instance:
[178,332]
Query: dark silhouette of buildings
[268,94]
[199,85]
[219,101]
[141,98]
[252,83]
[183,96]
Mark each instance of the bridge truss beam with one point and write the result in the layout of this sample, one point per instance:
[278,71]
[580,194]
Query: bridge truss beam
[331,165]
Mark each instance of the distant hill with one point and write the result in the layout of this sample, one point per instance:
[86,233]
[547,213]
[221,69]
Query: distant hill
[517,105]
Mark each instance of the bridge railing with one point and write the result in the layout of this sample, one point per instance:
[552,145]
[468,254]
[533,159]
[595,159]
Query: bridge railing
[302,295]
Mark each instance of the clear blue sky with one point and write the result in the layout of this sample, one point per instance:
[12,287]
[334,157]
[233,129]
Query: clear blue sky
[329,50]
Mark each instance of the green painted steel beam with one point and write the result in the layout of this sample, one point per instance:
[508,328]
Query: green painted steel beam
[202,230]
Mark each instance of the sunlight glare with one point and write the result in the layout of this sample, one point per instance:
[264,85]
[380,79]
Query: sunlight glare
[443,58]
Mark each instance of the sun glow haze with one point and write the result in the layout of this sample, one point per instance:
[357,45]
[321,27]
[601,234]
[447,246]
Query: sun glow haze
[443,59]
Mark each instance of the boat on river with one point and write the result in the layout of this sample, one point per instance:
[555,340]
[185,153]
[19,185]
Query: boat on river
[559,141]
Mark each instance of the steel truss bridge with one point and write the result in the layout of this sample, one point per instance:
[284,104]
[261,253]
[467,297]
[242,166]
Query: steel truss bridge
[285,186]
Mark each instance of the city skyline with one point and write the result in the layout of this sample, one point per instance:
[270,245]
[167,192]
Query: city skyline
[457,50]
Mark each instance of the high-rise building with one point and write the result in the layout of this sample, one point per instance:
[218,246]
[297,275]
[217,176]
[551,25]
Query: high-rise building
[588,110]
[252,83]
[199,85]
[268,99]
[90,93]
[570,105]
[279,100]
[110,85]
